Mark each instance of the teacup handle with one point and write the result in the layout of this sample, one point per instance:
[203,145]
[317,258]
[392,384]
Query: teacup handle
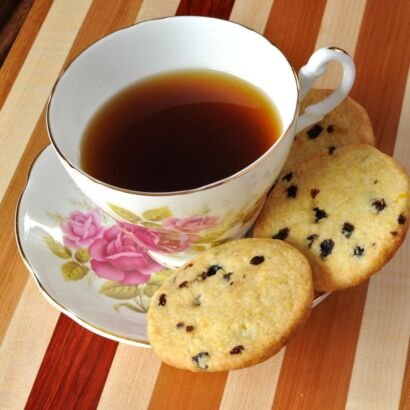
[314,69]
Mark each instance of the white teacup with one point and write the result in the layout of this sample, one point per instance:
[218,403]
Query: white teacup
[174,226]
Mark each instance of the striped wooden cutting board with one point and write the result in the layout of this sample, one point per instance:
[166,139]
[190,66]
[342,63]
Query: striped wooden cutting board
[353,353]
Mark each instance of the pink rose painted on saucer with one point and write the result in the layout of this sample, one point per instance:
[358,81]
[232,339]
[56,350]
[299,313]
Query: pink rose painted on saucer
[192,224]
[117,256]
[171,242]
[82,228]
[94,243]
[147,238]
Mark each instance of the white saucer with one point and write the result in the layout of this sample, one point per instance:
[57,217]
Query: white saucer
[107,308]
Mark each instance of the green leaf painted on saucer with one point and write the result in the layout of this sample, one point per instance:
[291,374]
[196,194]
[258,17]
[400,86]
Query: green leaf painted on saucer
[58,249]
[134,308]
[73,270]
[82,255]
[116,290]
[125,214]
[157,214]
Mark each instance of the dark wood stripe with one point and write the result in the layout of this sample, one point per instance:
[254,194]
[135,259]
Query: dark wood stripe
[323,354]
[320,358]
[293,26]
[405,389]
[382,62]
[74,369]
[208,8]
[174,386]
[21,46]
[195,390]
[76,364]
[11,25]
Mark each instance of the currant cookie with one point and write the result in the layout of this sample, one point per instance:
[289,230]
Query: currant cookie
[232,306]
[347,124]
[347,214]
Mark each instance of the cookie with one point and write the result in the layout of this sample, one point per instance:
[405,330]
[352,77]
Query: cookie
[347,214]
[232,306]
[347,124]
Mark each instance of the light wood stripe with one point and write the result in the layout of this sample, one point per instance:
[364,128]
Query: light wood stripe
[153,9]
[384,335]
[131,379]
[251,14]
[35,80]
[340,27]
[23,348]
[254,387]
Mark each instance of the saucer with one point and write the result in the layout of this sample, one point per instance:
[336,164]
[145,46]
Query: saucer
[81,260]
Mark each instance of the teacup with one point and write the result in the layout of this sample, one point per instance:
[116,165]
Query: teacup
[174,226]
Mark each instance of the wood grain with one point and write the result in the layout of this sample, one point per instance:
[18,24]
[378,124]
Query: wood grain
[319,365]
[340,26]
[385,330]
[195,390]
[131,379]
[74,369]
[11,26]
[382,63]
[21,46]
[208,8]
[35,81]
[121,15]
[18,273]
[251,14]
[24,346]
[254,387]
[153,9]
[293,26]
[312,357]
[27,82]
